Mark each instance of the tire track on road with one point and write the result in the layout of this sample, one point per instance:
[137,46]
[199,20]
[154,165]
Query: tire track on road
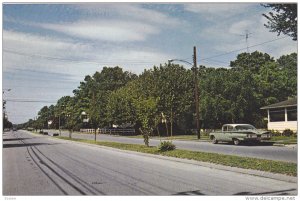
[38,161]
[84,184]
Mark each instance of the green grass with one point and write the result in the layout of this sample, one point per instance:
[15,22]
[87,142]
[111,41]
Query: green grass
[228,160]
[284,140]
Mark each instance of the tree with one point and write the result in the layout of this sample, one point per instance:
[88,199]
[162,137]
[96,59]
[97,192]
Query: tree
[252,61]
[146,110]
[227,95]
[71,116]
[120,108]
[6,122]
[278,80]
[44,116]
[283,19]
[172,86]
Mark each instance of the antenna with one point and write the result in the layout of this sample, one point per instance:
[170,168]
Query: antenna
[247,36]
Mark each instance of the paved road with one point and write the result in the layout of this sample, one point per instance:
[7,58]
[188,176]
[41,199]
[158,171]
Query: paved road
[288,154]
[40,165]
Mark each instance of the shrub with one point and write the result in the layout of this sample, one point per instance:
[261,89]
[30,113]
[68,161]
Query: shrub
[288,132]
[275,133]
[166,146]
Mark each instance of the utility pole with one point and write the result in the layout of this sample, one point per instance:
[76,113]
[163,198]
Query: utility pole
[196,92]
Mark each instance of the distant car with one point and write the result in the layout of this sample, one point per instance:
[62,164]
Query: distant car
[45,133]
[55,134]
[15,129]
[238,133]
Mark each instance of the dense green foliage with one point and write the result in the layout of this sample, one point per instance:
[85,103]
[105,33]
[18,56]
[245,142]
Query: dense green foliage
[166,146]
[283,19]
[227,95]
[6,122]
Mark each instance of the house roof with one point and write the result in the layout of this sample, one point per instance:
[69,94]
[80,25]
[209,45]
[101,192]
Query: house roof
[286,103]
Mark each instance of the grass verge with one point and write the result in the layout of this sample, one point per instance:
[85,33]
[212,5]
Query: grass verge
[284,140]
[227,160]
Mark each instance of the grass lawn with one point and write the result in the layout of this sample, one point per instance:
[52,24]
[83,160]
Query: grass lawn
[228,160]
[284,140]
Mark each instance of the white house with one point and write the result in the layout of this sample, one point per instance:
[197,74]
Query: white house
[282,115]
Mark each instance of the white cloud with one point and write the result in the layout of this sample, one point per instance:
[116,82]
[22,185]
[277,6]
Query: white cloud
[102,22]
[30,51]
[105,30]
[128,11]
[26,42]
[211,10]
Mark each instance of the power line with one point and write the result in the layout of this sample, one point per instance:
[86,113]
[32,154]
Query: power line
[46,87]
[237,50]
[29,101]
[128,61]
[73,60]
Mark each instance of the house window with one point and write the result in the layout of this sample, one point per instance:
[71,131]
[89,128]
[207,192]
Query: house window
[277,114]
[292,113]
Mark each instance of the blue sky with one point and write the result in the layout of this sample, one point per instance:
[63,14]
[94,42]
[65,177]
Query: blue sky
[49,48]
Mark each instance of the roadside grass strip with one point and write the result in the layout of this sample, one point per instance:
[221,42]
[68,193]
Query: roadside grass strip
[284,140]
[222,159]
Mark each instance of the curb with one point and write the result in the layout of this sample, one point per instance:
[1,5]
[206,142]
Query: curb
[284,145]
[280,177]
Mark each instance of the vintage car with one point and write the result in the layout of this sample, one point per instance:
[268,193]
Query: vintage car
[238,133]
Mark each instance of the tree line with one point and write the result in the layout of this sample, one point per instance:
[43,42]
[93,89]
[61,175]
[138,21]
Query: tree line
[161,99]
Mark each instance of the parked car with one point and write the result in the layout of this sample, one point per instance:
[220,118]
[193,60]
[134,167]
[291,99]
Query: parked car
[238,133]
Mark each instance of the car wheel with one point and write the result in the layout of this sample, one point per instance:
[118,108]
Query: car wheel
[236,141]
[214,140]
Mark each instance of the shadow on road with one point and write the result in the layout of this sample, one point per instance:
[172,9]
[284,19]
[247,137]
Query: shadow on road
[25,145]
[282,192]
[197,192]
[260,144]
[247,144]
[15,139]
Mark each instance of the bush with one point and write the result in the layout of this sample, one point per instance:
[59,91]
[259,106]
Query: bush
[166,146]
[275,133]
[287,133]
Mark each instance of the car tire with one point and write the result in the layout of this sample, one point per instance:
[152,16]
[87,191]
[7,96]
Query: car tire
[236,141]
[214,140]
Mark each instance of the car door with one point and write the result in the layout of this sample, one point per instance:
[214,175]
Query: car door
[228,134]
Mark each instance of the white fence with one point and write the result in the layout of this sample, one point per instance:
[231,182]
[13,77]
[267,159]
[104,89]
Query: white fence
[110,131]
[117,131]
[88,130]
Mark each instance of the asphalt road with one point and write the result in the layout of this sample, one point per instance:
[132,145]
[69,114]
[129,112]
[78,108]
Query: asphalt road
[263,151]
[41,165]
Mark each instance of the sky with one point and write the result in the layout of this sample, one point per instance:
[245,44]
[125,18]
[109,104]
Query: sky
[49,48]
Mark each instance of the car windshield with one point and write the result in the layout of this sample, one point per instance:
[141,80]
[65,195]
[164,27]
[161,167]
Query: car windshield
[245,127]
